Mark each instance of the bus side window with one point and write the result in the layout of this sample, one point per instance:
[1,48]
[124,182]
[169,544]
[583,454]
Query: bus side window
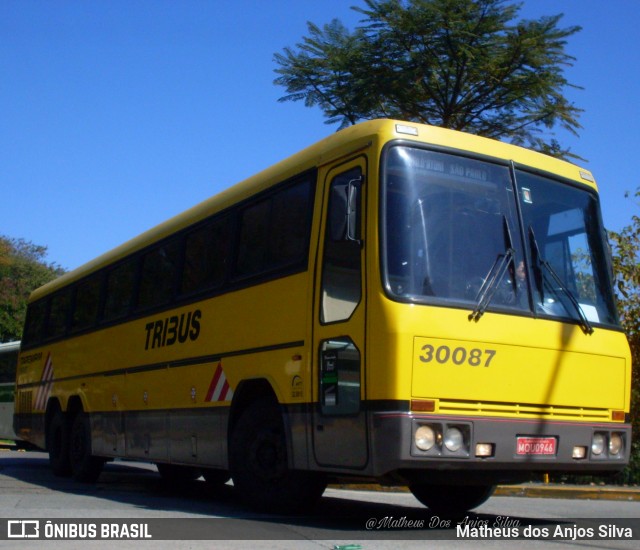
[207,253]
[290,215]
[120,283]
[158,276]
[253,245]
[58,314]
[87,302]
[8,362]
[34,326]
[274,232]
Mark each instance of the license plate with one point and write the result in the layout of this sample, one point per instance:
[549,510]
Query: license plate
[536,446]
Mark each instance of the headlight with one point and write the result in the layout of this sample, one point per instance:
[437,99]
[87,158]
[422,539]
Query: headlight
[425,438]
[453,439]
[598,443]
[615,444]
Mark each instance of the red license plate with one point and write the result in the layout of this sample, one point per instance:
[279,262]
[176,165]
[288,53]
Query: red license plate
[536,446]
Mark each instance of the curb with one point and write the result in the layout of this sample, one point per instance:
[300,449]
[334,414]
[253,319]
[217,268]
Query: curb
[583,492]
[532,490]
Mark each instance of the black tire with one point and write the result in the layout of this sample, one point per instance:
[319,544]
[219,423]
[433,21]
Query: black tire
[58,445]
[259,464]
[174,473]
[84,466]
[451,500]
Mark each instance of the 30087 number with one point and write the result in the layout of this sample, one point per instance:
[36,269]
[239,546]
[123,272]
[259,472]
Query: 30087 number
[474,357]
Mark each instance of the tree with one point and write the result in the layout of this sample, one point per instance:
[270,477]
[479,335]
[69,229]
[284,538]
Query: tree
[626,257]
[22,269]
[462,64]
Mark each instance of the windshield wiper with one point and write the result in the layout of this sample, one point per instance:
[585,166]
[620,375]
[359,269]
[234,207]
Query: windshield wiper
[585,324]
[495,276]
[490,284]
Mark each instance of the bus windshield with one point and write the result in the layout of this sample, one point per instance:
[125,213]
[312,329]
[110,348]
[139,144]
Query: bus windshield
[452,236]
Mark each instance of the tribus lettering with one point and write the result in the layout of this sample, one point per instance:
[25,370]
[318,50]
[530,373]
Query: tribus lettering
[166,332]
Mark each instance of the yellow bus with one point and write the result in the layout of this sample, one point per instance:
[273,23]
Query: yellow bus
[397,302]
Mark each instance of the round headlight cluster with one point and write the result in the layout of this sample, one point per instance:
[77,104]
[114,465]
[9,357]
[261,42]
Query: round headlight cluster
[612,443]
[598,443]
[425,438]
[453,439]
[615,444]
[449,438]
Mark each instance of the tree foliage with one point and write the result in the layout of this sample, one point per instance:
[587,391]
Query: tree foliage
[626,258]
[462,64]
[22,269]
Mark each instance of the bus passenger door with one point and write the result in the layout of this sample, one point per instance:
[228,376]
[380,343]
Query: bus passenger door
[339,418]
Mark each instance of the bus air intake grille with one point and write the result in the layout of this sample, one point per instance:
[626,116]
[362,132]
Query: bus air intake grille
[522,410]
[25,402]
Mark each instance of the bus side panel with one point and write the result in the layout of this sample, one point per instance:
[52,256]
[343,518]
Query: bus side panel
[155,396]
[200,436]
[108,435]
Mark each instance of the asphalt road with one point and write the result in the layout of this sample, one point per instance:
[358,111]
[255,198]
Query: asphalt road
[367,519]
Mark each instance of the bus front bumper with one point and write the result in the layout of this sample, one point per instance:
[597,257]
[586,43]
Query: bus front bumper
[420,447]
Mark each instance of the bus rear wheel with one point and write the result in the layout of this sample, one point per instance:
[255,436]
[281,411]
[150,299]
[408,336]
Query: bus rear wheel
[451,500]
[84,466]
[259,464]
[58,445]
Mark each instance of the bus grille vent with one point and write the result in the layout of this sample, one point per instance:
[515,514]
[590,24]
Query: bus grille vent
[522,410]
[25,402]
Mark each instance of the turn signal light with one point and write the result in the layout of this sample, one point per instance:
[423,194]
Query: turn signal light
[617,416]
[423,405]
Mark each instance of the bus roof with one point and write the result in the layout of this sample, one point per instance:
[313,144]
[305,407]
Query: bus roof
[342,143]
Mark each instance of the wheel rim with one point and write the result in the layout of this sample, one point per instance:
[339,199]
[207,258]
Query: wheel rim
[268,458]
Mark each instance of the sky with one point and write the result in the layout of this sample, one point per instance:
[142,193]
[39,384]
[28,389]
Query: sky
[117,114]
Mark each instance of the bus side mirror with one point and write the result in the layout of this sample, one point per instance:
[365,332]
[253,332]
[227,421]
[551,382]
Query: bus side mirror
[344,211]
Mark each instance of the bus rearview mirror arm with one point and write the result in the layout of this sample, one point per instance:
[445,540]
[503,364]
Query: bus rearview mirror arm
[345,212]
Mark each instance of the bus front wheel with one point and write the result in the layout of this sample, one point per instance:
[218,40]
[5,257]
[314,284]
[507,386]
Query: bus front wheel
[259,464]
[451,500]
